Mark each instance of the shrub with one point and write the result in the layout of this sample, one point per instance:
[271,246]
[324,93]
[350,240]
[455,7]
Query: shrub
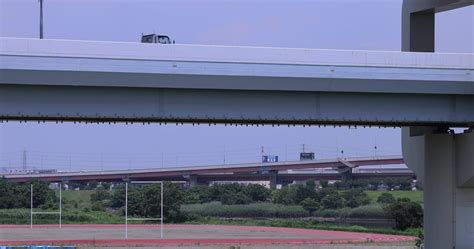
[286,195]
[310,205]
[336,213]
[406,214]
[257,192]
[16,195]
[198,194]
[356,197]
[253,210]
[332,200]
[97,206]
[92,185]
[373,211]
[100,194]
[386,198]
[234,198]
[106,185]
[308,190]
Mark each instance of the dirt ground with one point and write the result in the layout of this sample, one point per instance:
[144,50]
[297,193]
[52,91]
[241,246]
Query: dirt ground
[310,246]
[195,236]
[375,246]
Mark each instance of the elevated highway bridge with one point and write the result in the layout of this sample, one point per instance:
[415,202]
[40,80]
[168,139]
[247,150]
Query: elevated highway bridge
[91,81]
[273,172]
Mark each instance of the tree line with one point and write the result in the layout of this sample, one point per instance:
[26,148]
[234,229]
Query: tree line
[17,195]
[144,200]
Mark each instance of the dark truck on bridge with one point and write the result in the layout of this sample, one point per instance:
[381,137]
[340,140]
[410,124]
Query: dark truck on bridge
[154,38]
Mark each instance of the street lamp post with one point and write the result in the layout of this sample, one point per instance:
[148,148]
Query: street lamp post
[41,19]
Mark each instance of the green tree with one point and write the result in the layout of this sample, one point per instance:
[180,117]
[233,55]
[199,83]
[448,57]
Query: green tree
[6,194]
[106,185]
[98,206]
[118,198]
[219,190]
[356,197]
[235,198]
[74,185]
[92,185]
[21,195]
[406,213]
[332,199]
[386,198]
[41,193]
[100,194]
[145,201]
[257,192]
[324,183]
[198,194]
[405,183]
[285,195]
[308,190]
[310,205]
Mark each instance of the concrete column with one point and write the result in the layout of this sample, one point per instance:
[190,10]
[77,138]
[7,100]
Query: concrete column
[193,181]
[346,176]
[418,25]
[439,191]
[448,168]
[286,183]
[273,178]
[422,31]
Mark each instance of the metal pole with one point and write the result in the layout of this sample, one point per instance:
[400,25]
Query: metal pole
[224,154]
[126,210]
[31,205]
[41,19]
[60,205]
[161,209]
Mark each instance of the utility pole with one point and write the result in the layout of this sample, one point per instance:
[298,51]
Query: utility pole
[375,147]
[24,159]
[224,154]
[162,160]
[304,147]
[41,19]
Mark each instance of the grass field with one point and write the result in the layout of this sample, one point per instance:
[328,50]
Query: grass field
[301,223]
[81,196]
[77,210]
[416,196]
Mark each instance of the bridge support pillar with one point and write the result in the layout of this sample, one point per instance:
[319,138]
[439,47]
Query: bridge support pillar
[447,165]
[418,25]
[273,178]
[192,180]
[347,176]
[286,183]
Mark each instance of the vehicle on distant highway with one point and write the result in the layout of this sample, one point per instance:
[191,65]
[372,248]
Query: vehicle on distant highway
[154,38]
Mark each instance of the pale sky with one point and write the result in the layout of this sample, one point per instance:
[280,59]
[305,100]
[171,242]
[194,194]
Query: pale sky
[336,24]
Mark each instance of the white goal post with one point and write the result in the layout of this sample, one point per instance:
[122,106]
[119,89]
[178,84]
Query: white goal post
[45,212]
[161,206]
